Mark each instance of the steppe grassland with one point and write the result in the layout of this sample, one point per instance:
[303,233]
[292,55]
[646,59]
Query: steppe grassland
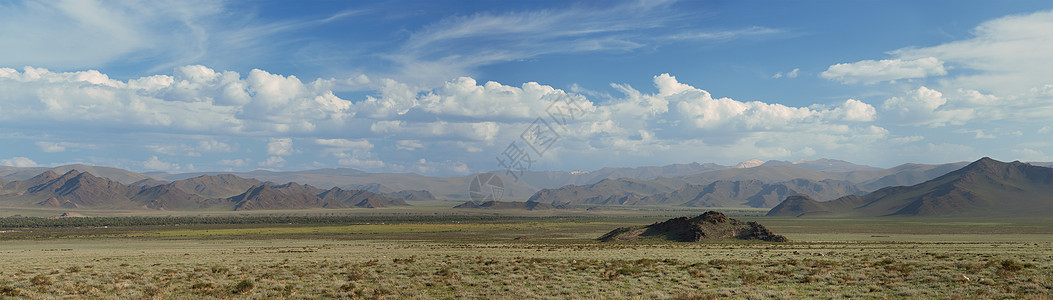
[533,259]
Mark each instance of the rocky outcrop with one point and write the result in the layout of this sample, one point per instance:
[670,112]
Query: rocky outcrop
[711,225]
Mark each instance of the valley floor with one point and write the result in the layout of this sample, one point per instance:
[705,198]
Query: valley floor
[526,257]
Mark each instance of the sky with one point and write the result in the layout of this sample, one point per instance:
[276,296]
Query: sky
[449,88]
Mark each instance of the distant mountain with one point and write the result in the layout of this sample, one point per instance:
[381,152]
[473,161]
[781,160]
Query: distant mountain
[761,173]
[753,193]
[909,174]
[119,175]
[75,189]
[985,187]
[267,197]
[529,205]
[215,186]
[296,196]
[749,164]
[831,165]
[607,191]
[765,185]
[360,198]
[722,193]
[411,195]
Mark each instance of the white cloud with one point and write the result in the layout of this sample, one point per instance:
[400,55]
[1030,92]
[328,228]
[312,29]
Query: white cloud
[727,34]
[978,134]
[790,74]
[273,161]
[1045,129]
[458,44]
[345,144]
[173,150]
[686,107]
[361,163]
[156,164]
[52,147]
[18,162]
[240,162]
[995,75]
[907,139]
[280,146]
[1001,58]
[928,107]
[409,145]
[870,71]
[214,146]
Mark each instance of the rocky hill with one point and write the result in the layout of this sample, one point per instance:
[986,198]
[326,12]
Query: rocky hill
[708,226]
[985,187]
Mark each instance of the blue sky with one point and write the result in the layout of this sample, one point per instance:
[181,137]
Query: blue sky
[447,88]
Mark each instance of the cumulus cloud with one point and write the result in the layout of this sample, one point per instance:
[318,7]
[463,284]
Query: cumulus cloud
[466,116]
[1001,57]
[158,165]
[871,71]
[280,146]
[925,106]
[18,162]
[273,161]
[683,106]
[995,75]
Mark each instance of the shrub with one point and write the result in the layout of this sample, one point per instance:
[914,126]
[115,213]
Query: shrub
[754,278]
[203,286]
[40,280]
[9,291]
[243,287]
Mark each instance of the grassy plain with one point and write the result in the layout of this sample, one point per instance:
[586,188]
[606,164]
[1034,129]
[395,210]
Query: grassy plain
[528,255]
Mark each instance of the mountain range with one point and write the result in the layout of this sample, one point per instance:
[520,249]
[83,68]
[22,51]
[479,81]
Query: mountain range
[986,187]
[760,185]
[752,184]
[75,189]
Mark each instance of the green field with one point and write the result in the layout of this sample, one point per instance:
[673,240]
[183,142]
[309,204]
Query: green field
[401,253]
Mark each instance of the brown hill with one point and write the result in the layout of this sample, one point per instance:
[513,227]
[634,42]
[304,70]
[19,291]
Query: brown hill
[708,226]
[985,187]
[360,198]
[411,195]
[529,205]
[266,197]
[215,186]
[164,197]
[607,191]
[84,189]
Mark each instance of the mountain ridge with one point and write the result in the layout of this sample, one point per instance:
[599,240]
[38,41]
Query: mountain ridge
[985,187]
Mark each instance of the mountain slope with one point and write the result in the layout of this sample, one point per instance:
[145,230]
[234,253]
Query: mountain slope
[266,197]
[607,191]
[215,186]
[985,187]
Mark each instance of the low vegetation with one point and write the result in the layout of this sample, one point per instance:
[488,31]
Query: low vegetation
[483,257]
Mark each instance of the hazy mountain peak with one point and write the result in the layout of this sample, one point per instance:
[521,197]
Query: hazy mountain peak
[749,164]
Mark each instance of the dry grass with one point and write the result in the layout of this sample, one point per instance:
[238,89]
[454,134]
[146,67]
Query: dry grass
[309,268]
